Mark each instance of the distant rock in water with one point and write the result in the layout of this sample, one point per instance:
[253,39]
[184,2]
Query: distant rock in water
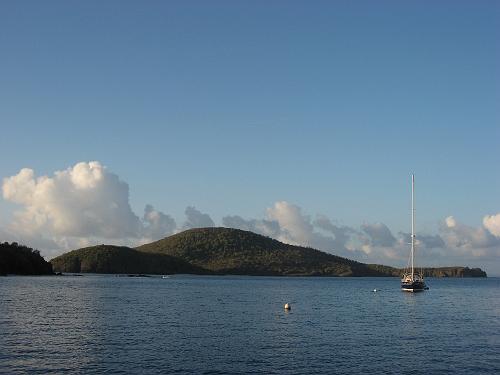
[219,251]
[120,260]
[17,259]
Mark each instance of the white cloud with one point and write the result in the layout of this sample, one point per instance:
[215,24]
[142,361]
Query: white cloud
[85,200]
[269,228]
[197,219]
[86,176]
[342,240]
[86,204]
[20,188]
[81,206]
[492,223]
[296,228]
[427,241]
[379,234]
[462,238]
[450,222]
[157,224]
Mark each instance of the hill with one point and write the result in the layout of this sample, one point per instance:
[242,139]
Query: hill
[17,259]
[238,252]
[220,251]
[120,260]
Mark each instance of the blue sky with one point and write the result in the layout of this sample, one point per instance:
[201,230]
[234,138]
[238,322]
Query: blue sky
[232,106]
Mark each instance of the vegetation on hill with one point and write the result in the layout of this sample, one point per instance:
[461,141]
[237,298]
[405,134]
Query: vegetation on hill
[17,259]
[227,251]
[456,271]
[234,251]
[119,260]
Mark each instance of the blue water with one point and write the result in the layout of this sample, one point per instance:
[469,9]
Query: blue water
[218,325]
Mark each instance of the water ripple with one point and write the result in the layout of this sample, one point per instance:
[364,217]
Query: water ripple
[228,325]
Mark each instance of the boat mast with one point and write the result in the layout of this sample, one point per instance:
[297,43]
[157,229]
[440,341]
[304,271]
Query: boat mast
[412,223]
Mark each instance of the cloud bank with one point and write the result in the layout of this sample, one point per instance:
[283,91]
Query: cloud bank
[87,204]
[85,200]
[80,206]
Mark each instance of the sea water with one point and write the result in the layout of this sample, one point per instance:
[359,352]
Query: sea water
[95,324]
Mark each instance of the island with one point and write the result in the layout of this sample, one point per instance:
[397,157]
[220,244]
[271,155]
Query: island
[228,251]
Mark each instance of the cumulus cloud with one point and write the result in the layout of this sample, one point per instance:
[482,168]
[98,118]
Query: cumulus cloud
[80,206]
[295,227]
[87,204]
[450,222]
[157,224]
[21,187]
[379,234]
[343,236]
[264,227]
[84,200]
[83,205]
[427,241]
[492,223]
[476,241]
[197,219]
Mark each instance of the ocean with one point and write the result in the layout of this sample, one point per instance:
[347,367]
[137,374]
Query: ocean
[104,324]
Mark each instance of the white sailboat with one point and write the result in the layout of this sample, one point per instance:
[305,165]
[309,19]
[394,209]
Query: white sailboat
[412,281]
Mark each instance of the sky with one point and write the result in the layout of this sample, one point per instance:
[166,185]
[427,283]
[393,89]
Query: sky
[126,121]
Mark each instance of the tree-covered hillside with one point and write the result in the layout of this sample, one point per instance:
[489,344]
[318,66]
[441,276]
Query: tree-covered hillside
[226,251]
[457,271]
[120,260]
[234,251]
[22,260]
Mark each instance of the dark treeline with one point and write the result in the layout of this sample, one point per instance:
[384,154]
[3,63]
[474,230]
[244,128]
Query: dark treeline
[18,259]
[120,260]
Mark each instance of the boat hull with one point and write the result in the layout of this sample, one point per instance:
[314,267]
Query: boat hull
[415,286]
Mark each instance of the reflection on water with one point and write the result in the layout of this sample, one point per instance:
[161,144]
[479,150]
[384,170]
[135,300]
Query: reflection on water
[97,324]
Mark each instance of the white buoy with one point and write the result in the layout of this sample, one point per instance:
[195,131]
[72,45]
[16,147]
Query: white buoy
[288,306]
[374,290]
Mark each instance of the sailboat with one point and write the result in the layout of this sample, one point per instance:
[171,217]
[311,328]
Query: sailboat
[412,281]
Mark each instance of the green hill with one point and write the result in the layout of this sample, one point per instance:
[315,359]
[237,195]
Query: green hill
[120,260]
[226,251]
[234,251]
[17,259]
